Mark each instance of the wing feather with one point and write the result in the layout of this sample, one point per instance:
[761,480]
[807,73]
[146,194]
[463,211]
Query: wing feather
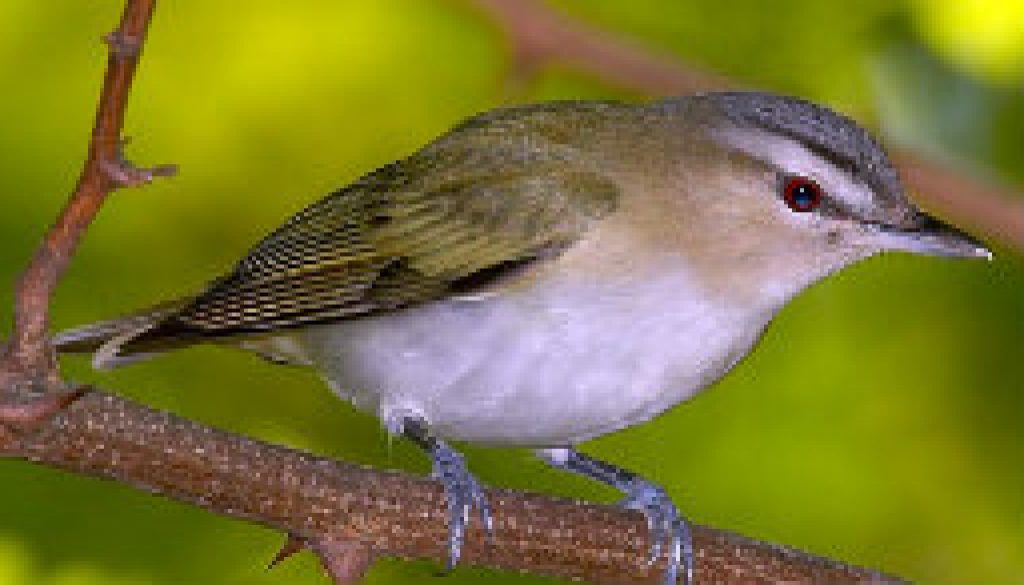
[492,193]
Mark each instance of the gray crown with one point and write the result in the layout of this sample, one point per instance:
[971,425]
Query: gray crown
[826,133]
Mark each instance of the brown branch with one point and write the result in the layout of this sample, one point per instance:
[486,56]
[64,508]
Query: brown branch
[104,170]
[391,513]
[537,35]
[979,206]
[347,515]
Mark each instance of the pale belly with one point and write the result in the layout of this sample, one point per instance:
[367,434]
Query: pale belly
[544,368]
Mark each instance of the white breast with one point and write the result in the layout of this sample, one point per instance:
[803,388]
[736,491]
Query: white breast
[556,364]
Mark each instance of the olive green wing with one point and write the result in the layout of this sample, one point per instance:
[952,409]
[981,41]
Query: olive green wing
[457,214]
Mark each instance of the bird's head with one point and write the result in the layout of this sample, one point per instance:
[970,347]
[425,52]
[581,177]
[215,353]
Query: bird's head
[794,191]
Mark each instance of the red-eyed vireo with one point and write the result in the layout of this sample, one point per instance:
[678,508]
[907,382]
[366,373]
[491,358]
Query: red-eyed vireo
[546,274]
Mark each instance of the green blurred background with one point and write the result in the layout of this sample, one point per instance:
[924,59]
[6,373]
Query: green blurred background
[879,422]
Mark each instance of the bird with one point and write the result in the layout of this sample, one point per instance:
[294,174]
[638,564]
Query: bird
[544,274]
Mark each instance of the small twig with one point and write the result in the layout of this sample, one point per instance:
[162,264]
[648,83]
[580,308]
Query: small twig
[27,350]
[537,35]
[123,173]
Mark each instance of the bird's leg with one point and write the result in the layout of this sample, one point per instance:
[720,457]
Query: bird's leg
[665,523]
[461,489]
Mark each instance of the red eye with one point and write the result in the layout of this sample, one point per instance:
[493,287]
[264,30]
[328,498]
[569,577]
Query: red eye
[801,194]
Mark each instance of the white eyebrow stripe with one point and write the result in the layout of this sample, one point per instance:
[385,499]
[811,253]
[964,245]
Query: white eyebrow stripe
[794,158]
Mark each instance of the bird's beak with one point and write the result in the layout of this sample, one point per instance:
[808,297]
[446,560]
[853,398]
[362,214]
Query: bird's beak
[933,237]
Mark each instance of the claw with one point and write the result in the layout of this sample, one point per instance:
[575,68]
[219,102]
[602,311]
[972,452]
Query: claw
[666,525]
[462,492]
[461,489]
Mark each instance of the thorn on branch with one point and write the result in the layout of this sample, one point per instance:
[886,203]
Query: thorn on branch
[292,545]
[122,46]
[344,561]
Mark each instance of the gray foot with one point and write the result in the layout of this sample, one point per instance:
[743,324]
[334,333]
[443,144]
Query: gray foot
[666,525]
[462,490]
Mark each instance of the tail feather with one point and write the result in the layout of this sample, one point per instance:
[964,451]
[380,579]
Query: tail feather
[108,340]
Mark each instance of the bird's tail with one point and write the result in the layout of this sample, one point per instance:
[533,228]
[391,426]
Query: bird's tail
[115,342]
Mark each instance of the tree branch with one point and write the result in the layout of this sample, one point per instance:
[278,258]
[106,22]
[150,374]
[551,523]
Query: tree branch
[346,514]
[538,35]
[387,512]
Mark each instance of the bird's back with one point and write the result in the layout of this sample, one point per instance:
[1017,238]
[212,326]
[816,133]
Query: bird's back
[499,191]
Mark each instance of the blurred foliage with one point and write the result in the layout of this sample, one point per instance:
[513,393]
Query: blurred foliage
[878,422]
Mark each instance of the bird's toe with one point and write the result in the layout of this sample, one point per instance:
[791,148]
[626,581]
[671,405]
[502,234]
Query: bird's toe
[667,529]
[462,492]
